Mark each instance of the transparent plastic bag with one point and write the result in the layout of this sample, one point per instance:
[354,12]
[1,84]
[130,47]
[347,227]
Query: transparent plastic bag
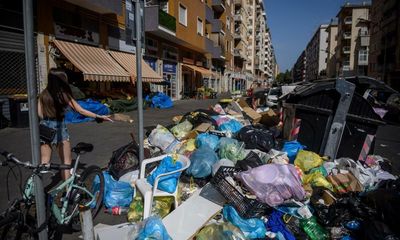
[226,231]
[231,149]
[161,137]
[182,129]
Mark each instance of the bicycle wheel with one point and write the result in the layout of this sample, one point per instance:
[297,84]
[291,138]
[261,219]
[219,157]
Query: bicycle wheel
[92,179]
[14,227]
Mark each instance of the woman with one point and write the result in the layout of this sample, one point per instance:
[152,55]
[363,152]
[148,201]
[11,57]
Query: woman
[52,105]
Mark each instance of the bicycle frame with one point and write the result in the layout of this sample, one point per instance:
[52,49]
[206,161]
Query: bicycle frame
[69,184]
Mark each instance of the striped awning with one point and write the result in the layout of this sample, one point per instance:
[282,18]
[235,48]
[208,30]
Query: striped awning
[204,71]
[95,63]
[128,61]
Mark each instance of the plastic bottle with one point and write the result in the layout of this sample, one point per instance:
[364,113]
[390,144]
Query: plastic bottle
[117,210]
[313,229]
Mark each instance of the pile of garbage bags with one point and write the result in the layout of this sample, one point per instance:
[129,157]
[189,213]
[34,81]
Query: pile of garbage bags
[273,189]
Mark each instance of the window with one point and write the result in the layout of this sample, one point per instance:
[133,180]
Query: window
[200,27]
[182,15]
[363,55]
[228,23]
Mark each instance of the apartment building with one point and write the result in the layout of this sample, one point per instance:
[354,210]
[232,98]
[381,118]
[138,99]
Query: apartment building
[353,39]
[332,65]
[384,54]
[316,54]
[299,68]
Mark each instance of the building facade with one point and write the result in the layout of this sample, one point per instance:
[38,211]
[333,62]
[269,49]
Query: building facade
[384,57]
[353,39]
[316,54]
[332,65]
[299,68]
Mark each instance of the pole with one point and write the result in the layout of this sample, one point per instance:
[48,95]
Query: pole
[138,22]
[33,114]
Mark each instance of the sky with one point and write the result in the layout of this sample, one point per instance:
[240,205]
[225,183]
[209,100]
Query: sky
[293,23]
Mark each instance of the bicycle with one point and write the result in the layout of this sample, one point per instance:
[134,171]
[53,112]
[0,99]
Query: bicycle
[82,190]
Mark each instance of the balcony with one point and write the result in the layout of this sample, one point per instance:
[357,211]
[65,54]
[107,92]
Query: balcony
[347,35]
[213,48]
[158,20]
[238,2]
[217,26]
[209,14]
[218,5]
[238,17]
[346,49]
[348,20]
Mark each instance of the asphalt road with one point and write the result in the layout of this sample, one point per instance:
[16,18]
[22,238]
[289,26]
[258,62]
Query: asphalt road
[105,137]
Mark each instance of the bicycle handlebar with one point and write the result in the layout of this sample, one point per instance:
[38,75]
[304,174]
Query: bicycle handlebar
[42,167]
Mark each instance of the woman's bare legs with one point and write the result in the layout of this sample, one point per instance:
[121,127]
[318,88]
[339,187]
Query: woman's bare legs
[45,153]
[64,151]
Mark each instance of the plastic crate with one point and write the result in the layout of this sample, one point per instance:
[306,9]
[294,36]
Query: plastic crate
[246,207]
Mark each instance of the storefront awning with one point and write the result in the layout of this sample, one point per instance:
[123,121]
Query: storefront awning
[128,61]
[204,71]
[95,63]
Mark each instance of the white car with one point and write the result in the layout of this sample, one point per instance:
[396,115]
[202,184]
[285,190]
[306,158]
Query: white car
[273,95]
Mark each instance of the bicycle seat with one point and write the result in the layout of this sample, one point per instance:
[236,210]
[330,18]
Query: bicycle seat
[82,148]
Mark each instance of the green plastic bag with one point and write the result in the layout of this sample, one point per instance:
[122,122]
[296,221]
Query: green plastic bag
[224,230]
[307,160]
[182,129]
[231,149]
[162,207]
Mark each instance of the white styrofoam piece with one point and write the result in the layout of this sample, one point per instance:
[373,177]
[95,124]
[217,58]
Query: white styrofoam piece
[190,216]
[114,232]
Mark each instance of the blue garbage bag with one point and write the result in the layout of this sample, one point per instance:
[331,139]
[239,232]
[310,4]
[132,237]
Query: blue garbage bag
[162,101]
[231,126]
[292,148]
[201,162]
[116,193]
[166,183]
[206,139]
[251,227]
[153,229]
[71,116]
[276,225]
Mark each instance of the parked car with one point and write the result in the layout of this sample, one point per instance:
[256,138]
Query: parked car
[273,95]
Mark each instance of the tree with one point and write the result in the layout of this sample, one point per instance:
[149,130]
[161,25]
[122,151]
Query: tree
[285,77]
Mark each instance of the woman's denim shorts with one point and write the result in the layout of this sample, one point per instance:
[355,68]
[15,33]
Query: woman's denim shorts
[61,131]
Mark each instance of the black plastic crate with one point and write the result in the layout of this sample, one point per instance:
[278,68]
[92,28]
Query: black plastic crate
[246,207]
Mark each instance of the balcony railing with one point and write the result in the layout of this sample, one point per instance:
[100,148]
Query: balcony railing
[348,20]
[167,21]
[238,17]
[346,49]
[218,5]
[347,35]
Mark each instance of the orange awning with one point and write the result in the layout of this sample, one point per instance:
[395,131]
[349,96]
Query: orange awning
[95,63]
[204,71]
[128,61]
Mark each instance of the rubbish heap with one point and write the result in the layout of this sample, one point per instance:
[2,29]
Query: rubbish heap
[270,188]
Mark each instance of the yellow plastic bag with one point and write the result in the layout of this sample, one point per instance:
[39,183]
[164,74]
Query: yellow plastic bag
[162,207]
[316,179]
[224,230]
[307,160]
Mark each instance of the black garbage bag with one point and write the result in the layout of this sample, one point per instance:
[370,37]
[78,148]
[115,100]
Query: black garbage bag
[252,160]
[293,225]
[257,138]
[200,116]
[386,202]
[376,230]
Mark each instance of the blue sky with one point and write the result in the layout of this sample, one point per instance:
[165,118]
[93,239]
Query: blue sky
[293,22]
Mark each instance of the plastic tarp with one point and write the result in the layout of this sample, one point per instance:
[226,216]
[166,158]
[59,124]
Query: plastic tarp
[72,116]
[160,100]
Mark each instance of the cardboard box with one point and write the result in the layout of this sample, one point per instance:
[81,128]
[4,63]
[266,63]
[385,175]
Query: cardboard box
[252,114]
[269,118]
[243,103]
[203,127]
